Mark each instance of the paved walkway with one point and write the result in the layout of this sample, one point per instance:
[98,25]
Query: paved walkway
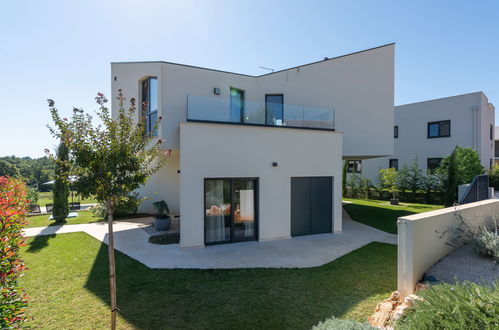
[297,252]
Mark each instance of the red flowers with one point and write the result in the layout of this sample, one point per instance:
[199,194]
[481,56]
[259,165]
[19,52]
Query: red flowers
[13,211]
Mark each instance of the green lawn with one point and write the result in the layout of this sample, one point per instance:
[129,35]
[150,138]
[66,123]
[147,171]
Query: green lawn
[68,286]
[43,220]
[46,198]
[382,215]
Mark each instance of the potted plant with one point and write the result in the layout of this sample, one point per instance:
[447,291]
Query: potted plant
[162,220]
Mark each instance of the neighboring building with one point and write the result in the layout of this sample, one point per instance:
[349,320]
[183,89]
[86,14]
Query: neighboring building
[496,145]
[430,130]
[260,157]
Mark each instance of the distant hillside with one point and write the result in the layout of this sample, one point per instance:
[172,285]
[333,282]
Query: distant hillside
[34,171]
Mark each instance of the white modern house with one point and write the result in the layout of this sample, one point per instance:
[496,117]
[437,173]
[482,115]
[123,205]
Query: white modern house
[430,130]
[260,157]
[496,145]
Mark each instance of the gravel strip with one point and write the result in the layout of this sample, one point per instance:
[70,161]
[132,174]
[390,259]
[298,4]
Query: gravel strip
[464,264]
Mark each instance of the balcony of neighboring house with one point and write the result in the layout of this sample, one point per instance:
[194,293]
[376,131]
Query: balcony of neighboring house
[272,112]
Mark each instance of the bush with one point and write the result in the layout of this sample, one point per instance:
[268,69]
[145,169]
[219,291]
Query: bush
[454,306]
[13,211]
[124,206]
[334,323]
[166,238]
[494,177]
[354,186]
[33,195]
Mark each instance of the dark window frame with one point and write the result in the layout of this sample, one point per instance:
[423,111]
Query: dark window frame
[146,105]
[393,160]
[396,131]
[439,123]
[491,132]
[428,160]
[353,166]
[256,181]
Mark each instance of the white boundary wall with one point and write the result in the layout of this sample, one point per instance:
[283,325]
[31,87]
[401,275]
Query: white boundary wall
[419,242]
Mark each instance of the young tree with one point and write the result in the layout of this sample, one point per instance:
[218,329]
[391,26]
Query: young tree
[402,181]
[379,186]
[110,160]
[414,177]
[451,180]
[60,190]
[467,164]
[389,176]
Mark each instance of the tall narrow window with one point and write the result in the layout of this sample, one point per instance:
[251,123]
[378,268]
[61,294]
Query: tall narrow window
[150,104]
[236,105]
[395,132]
[439,129]
[491,132]
[274,109]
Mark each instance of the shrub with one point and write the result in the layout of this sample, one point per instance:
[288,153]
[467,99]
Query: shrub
[467,163]
[60,191]
[454,306]
[354,185]
[33,195]
[13,211]
[494,177]
[166,238]
[124,206]
[334,323]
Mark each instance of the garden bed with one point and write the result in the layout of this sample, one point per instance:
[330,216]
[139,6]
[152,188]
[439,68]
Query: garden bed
[464,264]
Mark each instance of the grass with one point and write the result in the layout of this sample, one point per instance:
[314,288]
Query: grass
[43,220]
[68,286]
[380,214]
[45,198]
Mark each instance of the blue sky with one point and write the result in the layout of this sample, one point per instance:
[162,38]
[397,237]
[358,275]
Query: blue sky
[63,49]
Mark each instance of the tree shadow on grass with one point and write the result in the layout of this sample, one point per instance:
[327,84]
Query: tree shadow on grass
[40,241]
[244,298]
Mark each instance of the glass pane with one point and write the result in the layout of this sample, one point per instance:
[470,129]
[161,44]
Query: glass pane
[152,120]
[433,130]
[217,211]
[274,109]
[244,210]
[153,94]
[236,104]
[445,129]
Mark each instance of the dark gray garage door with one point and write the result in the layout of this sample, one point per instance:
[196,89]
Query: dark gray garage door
[311,205]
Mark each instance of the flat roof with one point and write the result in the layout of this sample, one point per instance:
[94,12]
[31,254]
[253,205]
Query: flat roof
[265,74]
[441,98]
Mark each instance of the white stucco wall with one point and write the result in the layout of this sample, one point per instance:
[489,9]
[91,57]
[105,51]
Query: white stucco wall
[359,86]
[412,120]
[419,238]
[218,150]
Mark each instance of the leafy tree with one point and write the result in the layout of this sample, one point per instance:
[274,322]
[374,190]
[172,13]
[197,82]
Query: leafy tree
[451,181]
[379,186]
[8,169]
[414,177]
[60,191]
[494,176]
[110,160]
[467,164]
[389,177]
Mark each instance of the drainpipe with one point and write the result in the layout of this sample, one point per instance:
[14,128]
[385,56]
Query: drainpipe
[475,111]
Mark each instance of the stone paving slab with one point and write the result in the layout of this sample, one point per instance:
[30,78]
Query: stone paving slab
[297,252]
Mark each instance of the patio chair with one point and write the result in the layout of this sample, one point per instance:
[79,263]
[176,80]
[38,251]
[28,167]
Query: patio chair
[49,207]
[74,206]
[34,208]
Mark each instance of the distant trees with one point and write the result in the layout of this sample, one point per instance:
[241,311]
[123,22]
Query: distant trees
[33,171]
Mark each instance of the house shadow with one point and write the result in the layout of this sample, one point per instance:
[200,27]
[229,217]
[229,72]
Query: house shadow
[42,240]
[381,218]
[243,298]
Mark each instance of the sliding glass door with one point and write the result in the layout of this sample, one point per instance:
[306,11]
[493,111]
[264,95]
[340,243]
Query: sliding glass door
[236,105]
[230,210]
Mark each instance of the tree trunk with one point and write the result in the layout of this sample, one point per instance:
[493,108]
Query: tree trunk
[112,268]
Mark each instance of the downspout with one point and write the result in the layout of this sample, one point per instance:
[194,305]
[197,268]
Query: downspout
[475,111]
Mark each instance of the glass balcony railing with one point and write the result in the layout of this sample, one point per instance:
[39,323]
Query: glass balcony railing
[222,110]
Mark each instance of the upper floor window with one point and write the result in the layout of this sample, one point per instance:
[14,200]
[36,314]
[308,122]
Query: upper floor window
[395,132]
[438,129]
[354,166]
[150,104]
[394,163]
[491,132]
[432,164]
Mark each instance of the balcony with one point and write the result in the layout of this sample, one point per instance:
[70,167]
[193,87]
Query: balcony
[230,111]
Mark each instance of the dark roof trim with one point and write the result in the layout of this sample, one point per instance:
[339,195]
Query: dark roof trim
[266,74]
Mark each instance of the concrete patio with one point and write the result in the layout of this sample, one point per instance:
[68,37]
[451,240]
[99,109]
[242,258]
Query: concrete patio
[297,252]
